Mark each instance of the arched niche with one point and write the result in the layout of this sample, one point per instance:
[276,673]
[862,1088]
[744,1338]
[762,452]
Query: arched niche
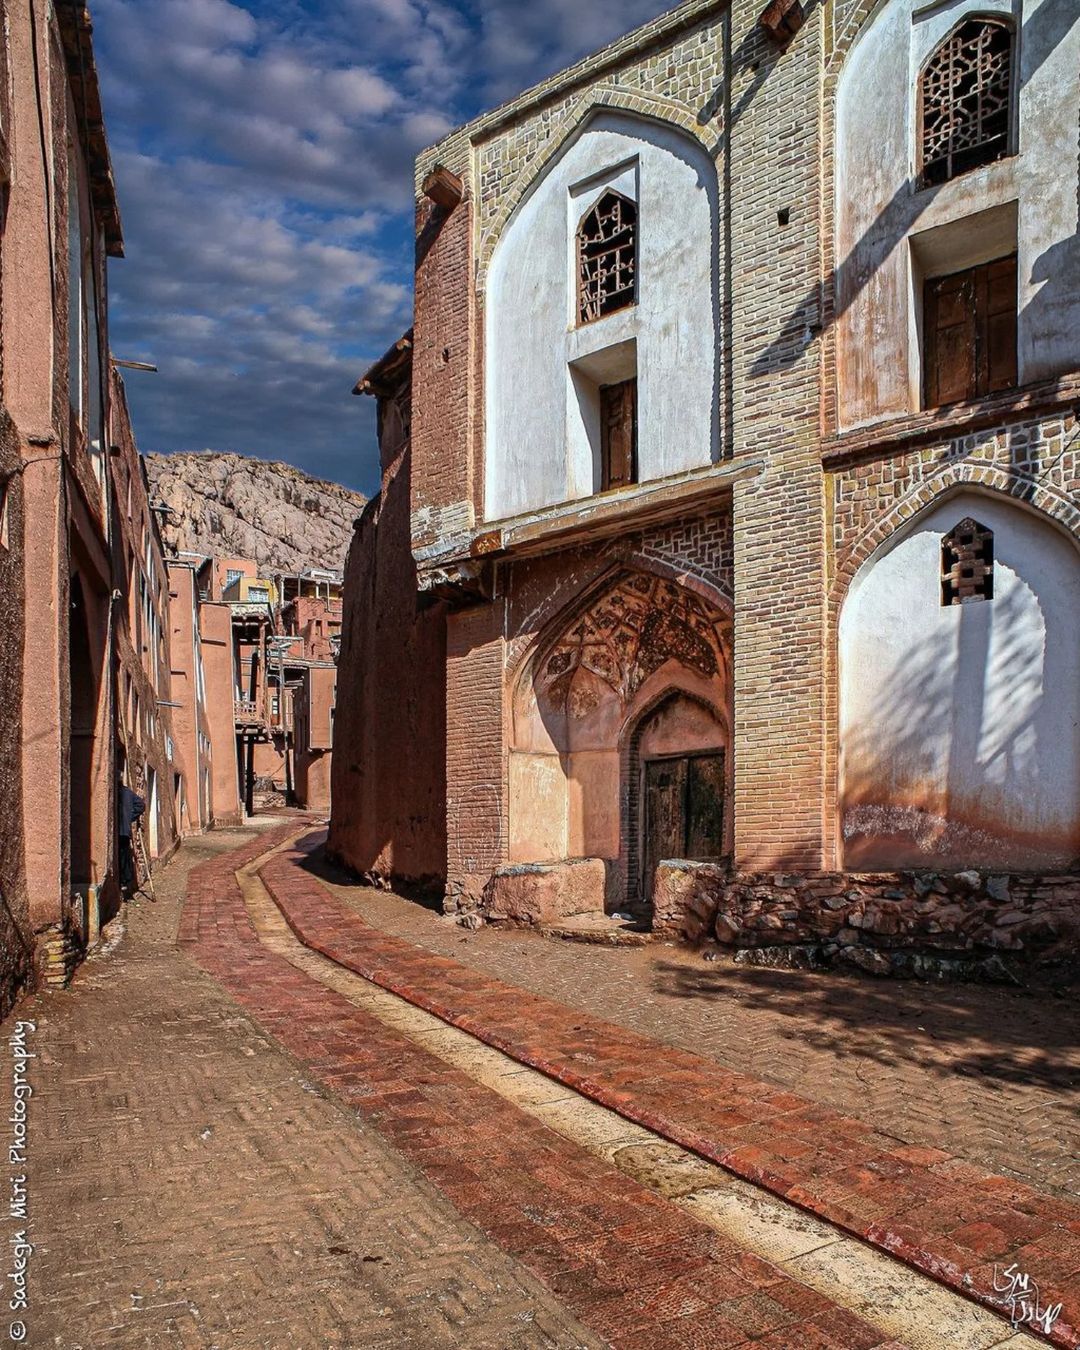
[960,708]
[639,646]
[543,366]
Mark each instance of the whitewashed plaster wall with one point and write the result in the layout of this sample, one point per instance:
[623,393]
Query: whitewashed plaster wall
[890,235]
[960,725]
[539,362]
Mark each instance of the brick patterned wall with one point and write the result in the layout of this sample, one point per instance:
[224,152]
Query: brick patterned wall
[475,751]
[703,546]
[1036,461]
[688,73]
[779,516]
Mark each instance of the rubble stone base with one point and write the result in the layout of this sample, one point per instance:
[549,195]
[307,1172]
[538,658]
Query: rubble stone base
[878,922]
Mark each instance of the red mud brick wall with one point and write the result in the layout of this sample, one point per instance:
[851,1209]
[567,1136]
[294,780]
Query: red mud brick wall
[389,768]
[475,752]
[441,463]
[14,906]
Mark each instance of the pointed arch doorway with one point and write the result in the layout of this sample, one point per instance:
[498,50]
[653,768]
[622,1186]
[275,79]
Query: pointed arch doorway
[621,734]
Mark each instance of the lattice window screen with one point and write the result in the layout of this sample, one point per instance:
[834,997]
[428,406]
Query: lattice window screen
[967,563]
[965,93]
[607,257]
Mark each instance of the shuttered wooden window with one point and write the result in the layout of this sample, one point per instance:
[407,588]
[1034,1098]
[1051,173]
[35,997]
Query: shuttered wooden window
[969,330]
[618,434]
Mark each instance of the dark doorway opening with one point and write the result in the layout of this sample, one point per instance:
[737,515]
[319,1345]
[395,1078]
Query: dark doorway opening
[84,698]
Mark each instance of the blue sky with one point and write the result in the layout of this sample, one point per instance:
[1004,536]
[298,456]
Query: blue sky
[263,155]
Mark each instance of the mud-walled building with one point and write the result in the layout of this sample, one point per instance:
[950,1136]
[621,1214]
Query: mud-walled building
[85,708]
[734,459]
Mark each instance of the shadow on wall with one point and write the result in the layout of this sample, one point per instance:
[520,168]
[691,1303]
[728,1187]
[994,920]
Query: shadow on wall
[1057,267]
[960,725]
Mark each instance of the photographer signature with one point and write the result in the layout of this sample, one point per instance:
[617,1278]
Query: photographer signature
[1020,1295]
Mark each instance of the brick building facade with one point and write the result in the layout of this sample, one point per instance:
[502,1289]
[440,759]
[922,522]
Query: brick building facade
[741,466]
[84,668]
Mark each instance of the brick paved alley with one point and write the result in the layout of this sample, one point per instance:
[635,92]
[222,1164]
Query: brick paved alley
[191,1185]
[989,1072]
[272,1151]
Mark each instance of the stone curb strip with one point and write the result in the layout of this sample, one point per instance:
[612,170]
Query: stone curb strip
[951,1220]
[629,1264]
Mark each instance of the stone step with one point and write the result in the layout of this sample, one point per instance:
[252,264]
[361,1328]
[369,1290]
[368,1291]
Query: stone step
[600,929]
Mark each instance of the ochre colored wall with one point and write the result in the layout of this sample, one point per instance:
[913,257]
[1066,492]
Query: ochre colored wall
[217,646]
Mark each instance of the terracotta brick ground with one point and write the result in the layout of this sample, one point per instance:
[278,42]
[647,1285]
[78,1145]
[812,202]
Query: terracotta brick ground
[947,1217]
[192,1185]
[631,1266]
[992,1074]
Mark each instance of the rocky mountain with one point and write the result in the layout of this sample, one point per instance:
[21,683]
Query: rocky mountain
[230,505]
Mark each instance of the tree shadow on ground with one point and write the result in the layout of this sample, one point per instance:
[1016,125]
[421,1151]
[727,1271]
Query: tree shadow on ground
[1004,1036]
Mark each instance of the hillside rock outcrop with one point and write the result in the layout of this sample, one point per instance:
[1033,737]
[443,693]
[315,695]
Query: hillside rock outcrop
[231,506]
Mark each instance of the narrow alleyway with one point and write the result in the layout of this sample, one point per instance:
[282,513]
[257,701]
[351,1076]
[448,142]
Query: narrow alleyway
[191,1184]
[285,1147]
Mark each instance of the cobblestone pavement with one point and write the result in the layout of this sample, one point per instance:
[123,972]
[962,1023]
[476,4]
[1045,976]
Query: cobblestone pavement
[191,1185]
[989,1073]
[946,1217]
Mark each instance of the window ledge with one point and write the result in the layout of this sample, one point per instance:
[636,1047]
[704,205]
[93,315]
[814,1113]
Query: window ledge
[935,424]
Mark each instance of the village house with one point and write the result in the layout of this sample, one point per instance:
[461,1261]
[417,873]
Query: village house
[85,665]
[725,565]
[266,644]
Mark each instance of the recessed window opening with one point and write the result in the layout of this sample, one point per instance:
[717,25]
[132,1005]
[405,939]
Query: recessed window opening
[618,434]
[967,563]
[969,333]
[965,97]
[607,257]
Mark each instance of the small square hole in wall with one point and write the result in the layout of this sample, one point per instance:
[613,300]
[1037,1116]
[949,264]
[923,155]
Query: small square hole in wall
[783,216]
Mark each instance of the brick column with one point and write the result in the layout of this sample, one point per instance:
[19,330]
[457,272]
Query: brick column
[476,791]
[779,516]
[442,505]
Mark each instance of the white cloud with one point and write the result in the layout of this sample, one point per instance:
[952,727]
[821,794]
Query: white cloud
[264,163]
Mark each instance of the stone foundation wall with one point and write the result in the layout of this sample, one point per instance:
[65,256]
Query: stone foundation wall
[874,920]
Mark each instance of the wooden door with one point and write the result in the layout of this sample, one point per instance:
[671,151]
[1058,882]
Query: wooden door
[684,811]
[705,807]
[618,434]
[969,323]
[665,814]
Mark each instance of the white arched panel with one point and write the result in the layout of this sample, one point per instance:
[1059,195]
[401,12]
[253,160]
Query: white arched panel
[536,452]
[960,724]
